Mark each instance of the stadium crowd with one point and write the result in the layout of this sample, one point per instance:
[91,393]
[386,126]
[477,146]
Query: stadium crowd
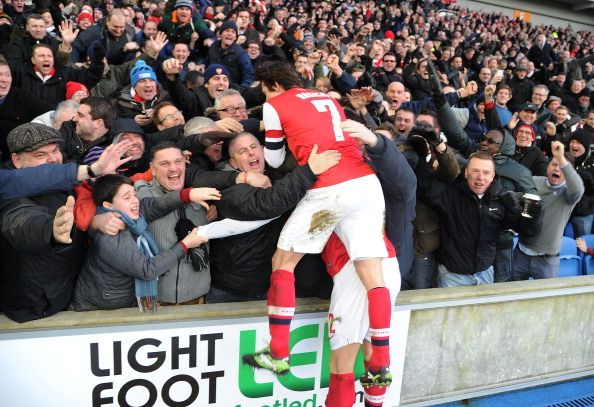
[133,144]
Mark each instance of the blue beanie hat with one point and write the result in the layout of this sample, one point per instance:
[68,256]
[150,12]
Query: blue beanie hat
[141,71]
[228,24]
[216,69]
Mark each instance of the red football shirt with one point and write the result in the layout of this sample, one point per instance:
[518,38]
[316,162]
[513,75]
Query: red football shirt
[304,118]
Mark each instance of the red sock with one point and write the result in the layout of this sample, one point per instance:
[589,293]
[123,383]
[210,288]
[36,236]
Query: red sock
[374,396]
[380,314]
[281,307]
[341,392]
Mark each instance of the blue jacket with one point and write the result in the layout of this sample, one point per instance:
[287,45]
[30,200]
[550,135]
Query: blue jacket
[37,180]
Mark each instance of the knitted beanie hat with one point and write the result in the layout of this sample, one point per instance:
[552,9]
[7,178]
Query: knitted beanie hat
[141,71]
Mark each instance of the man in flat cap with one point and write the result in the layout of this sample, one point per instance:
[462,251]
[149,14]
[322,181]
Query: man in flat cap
[40,250]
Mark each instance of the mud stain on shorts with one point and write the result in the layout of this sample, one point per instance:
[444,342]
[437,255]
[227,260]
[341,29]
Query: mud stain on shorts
[321,221]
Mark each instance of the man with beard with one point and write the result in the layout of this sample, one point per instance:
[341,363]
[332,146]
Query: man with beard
[89,127]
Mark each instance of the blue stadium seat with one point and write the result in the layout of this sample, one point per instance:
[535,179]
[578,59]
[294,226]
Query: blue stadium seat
[570,266]
[568,247]
[588,263]
[568,230]
[570,261]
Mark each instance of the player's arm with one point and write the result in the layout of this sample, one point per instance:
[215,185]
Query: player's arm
[274,144]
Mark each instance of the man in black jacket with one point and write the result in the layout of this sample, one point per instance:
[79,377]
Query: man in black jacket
[42,78]
[241,265]
[473,211]
[114,35]
[19,50]
[16,106]
[40,251]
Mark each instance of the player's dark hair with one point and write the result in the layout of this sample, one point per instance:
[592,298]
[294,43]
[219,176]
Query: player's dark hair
[283,73]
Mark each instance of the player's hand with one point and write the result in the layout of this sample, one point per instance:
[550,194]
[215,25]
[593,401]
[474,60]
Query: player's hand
[172,66]
[211,213]
[319,163]
[359,132]
[513,122]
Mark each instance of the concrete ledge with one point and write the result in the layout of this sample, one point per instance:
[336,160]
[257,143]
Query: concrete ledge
[71,319]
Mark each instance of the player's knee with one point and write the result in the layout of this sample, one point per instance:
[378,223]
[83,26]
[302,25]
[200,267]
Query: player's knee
[285,260]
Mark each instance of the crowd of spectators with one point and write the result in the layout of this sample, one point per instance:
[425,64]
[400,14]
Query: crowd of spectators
[482,108]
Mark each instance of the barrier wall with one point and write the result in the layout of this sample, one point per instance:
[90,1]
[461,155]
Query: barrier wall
[448,344]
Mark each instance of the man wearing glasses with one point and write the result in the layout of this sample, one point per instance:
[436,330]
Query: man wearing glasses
[387,73]
[232,114]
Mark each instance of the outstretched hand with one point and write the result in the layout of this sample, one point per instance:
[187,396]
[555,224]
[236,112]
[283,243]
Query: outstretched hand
[67,32]
[154,45]
[110,159]
[201,195]
[359,132]
[63,222]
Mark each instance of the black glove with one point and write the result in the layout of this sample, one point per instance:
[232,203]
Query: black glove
[535,209]
[419,145]
[198,256]
[434,80]
[425,130]
[97,52]
[512,201]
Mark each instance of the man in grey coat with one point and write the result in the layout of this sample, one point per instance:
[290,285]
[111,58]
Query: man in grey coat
[184,283]
[560,190]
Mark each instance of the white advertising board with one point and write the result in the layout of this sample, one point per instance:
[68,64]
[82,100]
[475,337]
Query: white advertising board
[189,363]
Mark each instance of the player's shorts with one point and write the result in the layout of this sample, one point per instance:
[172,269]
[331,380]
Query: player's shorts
[354,210]
[348,318]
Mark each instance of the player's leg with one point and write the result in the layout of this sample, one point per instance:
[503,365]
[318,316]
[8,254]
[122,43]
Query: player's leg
[374,395]
[281,308]
[362,233]
[281,301]
[341,391]
[347,326]
[380,314]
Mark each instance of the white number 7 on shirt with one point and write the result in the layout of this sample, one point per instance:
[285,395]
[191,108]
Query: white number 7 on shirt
[325,105]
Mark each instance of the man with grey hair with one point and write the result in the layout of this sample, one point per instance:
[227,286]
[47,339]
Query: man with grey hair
[206,157]
[231,112]
[65,111]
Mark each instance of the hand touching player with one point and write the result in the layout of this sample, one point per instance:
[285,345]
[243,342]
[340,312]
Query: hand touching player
[322,162]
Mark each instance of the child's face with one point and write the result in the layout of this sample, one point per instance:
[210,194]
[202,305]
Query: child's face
[125,200]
